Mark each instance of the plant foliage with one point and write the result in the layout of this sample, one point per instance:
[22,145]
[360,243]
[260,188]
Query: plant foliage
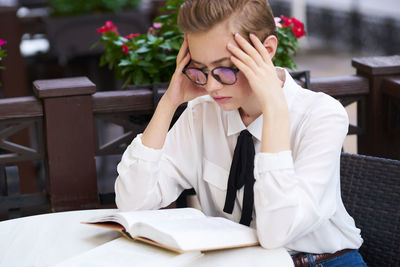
[151,57]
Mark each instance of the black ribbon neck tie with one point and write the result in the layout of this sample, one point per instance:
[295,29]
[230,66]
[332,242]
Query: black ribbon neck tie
[242,174]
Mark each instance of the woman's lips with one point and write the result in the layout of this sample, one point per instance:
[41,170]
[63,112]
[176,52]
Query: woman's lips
[222,99]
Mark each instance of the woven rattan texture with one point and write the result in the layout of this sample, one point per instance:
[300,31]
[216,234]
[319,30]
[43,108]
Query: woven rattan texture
[371,194]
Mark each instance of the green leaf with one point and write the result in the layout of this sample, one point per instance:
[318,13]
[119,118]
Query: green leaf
[166,45]
[151,38]
[143,49]
[124,62]
[133,57]
[280,49]
[161,17]
[175,45]
[169,33]
[103,61]
[145,64]
[170,58]
[138,76]
[118,42]
[148,57]
[124,71]
[140,42]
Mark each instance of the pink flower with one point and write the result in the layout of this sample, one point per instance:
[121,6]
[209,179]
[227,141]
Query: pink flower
[278,22]
[132,35]
[125,48]
[157,25]
[108,27]
[2,42]
[150,30]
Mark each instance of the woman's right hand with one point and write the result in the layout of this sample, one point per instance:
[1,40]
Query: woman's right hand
[181,89]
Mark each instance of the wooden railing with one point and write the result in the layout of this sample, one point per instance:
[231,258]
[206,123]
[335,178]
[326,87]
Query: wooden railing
[66,111]
[16,116]
[383,74]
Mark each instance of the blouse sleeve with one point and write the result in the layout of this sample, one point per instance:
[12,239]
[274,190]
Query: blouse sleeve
[150,178]
[293,196]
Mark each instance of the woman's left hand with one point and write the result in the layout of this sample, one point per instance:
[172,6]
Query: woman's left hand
[256,64]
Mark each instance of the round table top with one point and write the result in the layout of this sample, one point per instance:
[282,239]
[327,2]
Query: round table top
[60,239]
[44,240]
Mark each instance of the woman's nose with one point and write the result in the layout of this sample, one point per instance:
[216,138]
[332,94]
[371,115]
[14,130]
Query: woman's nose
[213,84]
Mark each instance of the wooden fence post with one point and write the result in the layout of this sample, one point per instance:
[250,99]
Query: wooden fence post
[376,141]
[70,145]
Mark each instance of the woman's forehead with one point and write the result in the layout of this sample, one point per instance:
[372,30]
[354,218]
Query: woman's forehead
[209,47]
[215,62]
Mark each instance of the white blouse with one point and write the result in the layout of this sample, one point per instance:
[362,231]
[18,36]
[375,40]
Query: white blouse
[297,201]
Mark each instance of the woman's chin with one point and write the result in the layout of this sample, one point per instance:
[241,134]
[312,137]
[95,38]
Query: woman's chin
[227,106]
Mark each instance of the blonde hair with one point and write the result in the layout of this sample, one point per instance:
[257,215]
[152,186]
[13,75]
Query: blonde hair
[251,16]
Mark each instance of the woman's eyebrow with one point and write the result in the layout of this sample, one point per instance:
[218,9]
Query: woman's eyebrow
[213,63]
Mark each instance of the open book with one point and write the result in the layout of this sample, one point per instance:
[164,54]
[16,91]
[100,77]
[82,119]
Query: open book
[179,230]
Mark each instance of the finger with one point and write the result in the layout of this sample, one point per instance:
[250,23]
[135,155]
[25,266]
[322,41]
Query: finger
[248,49]
[247,71]
[182,64]
[260,48]
[182,51]
[241,55]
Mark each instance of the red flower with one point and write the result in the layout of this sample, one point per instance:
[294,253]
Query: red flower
[297,22]
[2,42]
[132,35]
[286,21]
[108,27]
[297,26]
[125,48]
[298,31]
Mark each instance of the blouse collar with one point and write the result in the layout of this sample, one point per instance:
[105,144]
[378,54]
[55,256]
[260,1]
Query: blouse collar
[235,123]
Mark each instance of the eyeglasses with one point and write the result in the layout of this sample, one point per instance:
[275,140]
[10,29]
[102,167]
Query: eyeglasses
[224,75]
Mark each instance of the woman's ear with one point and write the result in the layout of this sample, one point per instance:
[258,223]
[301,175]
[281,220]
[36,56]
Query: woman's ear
[271,44]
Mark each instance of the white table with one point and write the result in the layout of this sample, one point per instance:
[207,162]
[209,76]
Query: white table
[59,239]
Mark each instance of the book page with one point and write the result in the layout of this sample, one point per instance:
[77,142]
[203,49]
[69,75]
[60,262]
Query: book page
[129,218]
[208,233]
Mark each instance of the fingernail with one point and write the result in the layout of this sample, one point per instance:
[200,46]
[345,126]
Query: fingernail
[230,45]
[237,35]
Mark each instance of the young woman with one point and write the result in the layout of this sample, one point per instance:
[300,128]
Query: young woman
[290,191]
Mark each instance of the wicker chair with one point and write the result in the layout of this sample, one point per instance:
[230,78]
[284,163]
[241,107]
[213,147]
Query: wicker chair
[371,194]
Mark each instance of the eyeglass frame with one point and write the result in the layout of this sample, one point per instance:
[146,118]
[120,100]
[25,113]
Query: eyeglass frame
[234,70]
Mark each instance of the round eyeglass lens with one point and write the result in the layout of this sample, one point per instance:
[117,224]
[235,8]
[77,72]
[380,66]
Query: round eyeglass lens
[197,76]
[225,75]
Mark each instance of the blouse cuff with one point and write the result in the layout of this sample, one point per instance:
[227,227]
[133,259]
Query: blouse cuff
[140,151]
[264,162]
